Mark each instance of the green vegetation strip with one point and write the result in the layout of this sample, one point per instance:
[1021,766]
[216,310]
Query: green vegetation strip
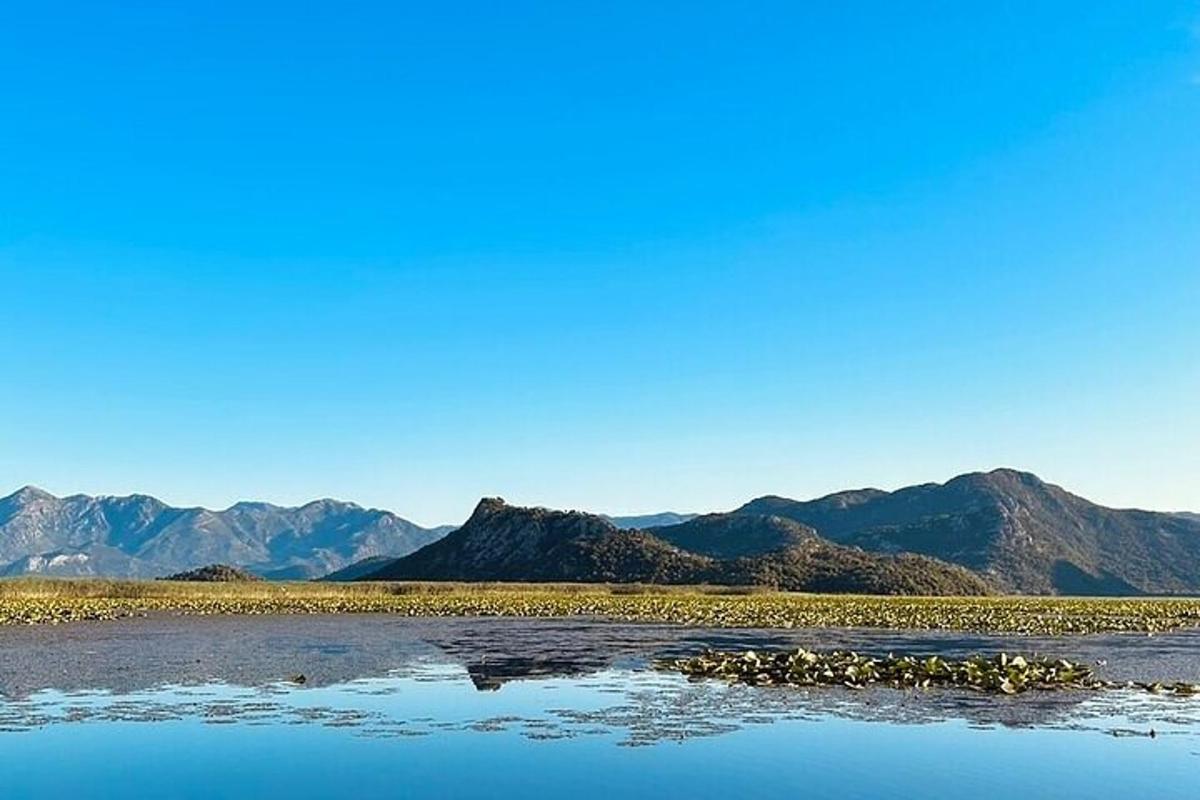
[1000,674]
[24,601]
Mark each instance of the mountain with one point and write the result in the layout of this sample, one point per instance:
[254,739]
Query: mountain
[139,536]
[97,562]
[1022,534]
[359,569]
[1016,532]
[508,543]
[768,550]
[728,536]
[646,521]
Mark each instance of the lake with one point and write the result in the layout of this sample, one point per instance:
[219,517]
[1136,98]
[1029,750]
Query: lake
[390,707]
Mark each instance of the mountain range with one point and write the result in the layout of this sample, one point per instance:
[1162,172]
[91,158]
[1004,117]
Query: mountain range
[1011,530]
[1004,530]
[141,537]
[509,543]
[1020,533]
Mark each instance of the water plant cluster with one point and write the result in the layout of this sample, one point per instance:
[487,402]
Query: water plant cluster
[51,601]
[1000,674]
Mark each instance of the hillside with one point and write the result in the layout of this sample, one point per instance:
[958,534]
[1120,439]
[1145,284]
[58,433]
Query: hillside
[506,543]
[359,569]
[728,536]
[1021,533]
[139,536]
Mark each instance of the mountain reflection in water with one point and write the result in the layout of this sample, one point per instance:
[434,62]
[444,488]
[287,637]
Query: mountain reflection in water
[366,672]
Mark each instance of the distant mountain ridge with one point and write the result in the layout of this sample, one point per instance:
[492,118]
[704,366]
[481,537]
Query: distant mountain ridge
[1021,533]
[647,521]
[1013,531]
[509,543]
[141,537]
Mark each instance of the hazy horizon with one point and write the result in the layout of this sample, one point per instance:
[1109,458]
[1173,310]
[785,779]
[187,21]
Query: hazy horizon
[634,260]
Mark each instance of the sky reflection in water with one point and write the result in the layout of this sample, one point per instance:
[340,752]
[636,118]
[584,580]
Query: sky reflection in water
[448,721]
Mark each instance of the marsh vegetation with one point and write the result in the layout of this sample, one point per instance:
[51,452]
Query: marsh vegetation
[33,601]
[998,674]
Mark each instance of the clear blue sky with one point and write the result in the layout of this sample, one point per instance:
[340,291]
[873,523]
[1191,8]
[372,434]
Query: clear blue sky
[600,256]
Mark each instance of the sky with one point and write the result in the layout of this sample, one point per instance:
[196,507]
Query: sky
[624,257]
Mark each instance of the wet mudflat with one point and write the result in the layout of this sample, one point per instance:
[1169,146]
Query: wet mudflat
[213,707]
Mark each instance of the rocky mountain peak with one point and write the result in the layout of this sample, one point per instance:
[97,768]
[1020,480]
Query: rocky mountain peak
[29,494]
[487,507]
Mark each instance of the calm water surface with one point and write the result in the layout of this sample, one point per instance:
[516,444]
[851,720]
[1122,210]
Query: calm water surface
[201,708]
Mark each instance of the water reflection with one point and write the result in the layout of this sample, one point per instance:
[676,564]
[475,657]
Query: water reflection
[390,677]
[639,707]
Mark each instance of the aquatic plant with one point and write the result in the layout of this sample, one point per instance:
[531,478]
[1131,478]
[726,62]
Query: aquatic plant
[999,674]
[55,601]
